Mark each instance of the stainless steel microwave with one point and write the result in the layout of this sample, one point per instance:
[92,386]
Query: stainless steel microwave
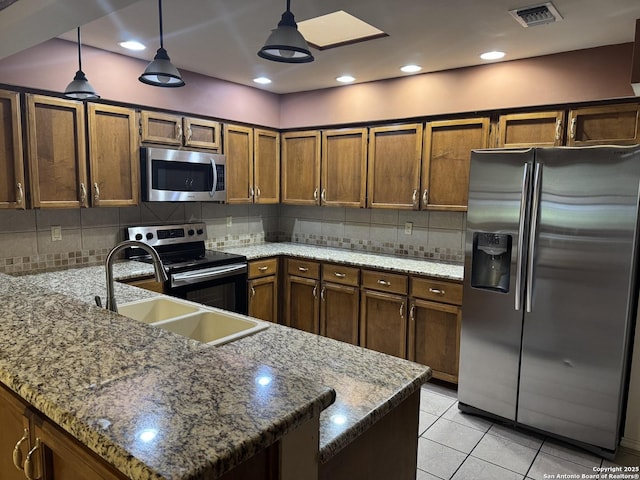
[170,175]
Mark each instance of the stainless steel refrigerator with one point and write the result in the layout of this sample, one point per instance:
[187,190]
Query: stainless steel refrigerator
[550,292]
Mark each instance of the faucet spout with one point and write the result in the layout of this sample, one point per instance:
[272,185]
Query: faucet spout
[161,274]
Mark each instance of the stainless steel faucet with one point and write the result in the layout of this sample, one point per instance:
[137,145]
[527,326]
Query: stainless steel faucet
[161,275]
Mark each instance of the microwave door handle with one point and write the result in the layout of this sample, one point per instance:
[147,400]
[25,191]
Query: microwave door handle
[215,177]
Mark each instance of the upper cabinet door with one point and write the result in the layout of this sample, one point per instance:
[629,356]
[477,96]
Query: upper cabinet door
[238,148]
[56,152]
[394,166]
[114,156]
[266,171]
[605,125]
[12,187]
[201,133]
[447,157]
[538,129]
[301,168]
[344,167]
[161,128]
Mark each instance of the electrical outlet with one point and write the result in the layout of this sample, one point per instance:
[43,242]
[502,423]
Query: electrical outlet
[56,233]
[229,221]
[408,228]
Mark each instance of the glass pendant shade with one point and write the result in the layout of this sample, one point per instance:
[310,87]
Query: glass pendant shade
[286,44]
[80,88]
[161,72]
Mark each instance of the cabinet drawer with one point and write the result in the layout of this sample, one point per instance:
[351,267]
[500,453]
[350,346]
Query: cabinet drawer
[303,268]
[263,268]
[385,282]
[341,274]
[438,290]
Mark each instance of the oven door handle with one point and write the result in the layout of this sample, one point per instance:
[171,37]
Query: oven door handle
[206,274]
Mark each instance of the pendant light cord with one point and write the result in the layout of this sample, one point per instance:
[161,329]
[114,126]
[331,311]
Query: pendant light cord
[79,52]
[288,5]
[160,16]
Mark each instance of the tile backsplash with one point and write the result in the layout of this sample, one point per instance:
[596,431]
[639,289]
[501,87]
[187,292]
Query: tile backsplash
[26,244]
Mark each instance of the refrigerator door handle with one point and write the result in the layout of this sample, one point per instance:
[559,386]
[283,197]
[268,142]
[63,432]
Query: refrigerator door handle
[533,233]
[521,234]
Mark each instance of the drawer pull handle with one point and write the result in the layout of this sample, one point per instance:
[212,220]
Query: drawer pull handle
[340,275]
[437,291]
[402,310]
[303,269]
[264,268]
[17,451]
[315,291]
[412,313]
[322,293]
[384,282]
[29,466]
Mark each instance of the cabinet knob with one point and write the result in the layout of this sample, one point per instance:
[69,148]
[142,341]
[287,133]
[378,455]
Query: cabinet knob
[17,450]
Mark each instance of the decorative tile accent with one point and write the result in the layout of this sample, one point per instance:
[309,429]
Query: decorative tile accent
[50,262]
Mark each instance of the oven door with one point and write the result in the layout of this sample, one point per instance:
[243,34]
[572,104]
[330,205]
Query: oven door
[222,286]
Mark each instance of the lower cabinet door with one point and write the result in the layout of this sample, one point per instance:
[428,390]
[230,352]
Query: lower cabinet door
[263,298]
[61,458]
[339,308]
[383,322]
[14,433]
[303,305]
[434,337]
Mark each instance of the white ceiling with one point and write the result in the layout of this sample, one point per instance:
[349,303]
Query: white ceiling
[220,38]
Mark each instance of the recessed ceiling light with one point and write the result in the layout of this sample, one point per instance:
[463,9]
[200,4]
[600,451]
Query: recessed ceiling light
[132,45]
[411,68]
[262,80]
[345,79]
[492,55]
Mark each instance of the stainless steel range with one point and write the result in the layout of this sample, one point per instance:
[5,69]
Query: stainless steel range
[210,277]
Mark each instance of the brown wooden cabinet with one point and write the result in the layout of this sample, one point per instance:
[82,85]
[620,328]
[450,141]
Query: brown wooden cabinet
[302,295]
[263,289]
[340,303]
[383,308]
[56,152]
[536,129]
[446,161]
[604,125]
[113,155]
[12,186]
[253,164]
[435,318]
[148,282]
[238,148]
[266,166]
[344,167]
[30,443]
[177,130]
[301,168]
[394,166]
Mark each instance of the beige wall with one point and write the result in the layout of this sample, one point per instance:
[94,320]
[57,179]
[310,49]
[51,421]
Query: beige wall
[580,76]
[52,65]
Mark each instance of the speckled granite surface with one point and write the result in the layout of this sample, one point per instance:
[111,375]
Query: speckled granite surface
[350,257]
[152,403]
[367,384]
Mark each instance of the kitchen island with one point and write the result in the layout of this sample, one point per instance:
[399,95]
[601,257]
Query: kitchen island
[106,379]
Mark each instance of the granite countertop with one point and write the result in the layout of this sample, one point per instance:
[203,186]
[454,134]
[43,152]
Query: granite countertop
[349,257]
[152,403]
[367,384]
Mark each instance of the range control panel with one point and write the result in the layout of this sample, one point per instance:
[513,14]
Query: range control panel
[157,235]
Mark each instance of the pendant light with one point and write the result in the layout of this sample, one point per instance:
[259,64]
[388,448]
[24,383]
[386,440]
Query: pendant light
[80,88]
[286,44]
[161,72]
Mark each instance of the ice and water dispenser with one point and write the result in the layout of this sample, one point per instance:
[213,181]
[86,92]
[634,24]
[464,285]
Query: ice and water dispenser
[491,261]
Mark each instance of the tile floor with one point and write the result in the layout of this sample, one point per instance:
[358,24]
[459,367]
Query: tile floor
[457,446]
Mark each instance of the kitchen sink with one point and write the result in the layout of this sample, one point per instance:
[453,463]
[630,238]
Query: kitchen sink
[198,322]
[156,309]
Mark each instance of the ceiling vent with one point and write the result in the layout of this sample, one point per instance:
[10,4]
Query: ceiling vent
[536,15]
